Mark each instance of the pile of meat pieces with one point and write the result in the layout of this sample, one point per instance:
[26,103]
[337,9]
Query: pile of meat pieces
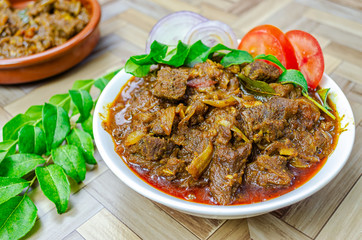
[281,130]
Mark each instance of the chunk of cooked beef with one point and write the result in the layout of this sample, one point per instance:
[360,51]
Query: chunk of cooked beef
[143,118]
[150,148]
[266,122]
[171,168]
[261,71]
[284,147]
[209,69]
[226,171]
[200,111]
[322,138]
[162,125]
[234,84]
[308,112]
[171,83]
[218,124]
[224,134]
[192,141]
[144,102]
[268,171]
[194,114]
[309,147]
[286,90]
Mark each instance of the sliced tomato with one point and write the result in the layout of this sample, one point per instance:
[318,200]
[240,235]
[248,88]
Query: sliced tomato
[269,39]
[309,56]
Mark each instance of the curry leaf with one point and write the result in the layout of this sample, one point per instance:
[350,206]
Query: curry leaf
[34,112]
[10,187]
[55,185]
[7,148]
[56,125]
[295,77]
[257,87]
[61,100]
[83,84]
[17,165]
[219,47]
[71,160]
[136,69]
[323,93]
[236,57]
[87,125]
[11,128]
[199,52]
[102,82]
[144,59]
[84,141]
[175,57]
[17,217]
[140,65]
[84,103]
[272,59]
[157,49]
[32,140]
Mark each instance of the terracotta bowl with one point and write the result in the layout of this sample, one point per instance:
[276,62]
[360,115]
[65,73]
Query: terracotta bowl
[55,60]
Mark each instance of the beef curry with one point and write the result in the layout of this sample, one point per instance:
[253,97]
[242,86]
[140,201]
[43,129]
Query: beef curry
[40,26]
[198,134]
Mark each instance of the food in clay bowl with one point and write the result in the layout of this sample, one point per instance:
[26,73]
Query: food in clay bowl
[223,133]
[40,39]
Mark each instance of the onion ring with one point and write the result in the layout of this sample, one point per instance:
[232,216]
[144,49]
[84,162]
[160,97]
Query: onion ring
[173,27]
[212,33]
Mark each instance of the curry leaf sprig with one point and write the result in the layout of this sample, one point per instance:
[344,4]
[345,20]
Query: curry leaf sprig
[43,144]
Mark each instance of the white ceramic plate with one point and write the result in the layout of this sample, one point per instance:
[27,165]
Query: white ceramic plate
[331,168]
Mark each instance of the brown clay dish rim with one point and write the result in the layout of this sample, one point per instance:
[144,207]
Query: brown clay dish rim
[95,15]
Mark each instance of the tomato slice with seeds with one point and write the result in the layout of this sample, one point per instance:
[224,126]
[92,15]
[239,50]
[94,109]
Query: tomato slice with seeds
[268,39]
[309,56]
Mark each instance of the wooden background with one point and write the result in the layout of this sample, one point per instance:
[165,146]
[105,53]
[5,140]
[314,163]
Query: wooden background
[102,207]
